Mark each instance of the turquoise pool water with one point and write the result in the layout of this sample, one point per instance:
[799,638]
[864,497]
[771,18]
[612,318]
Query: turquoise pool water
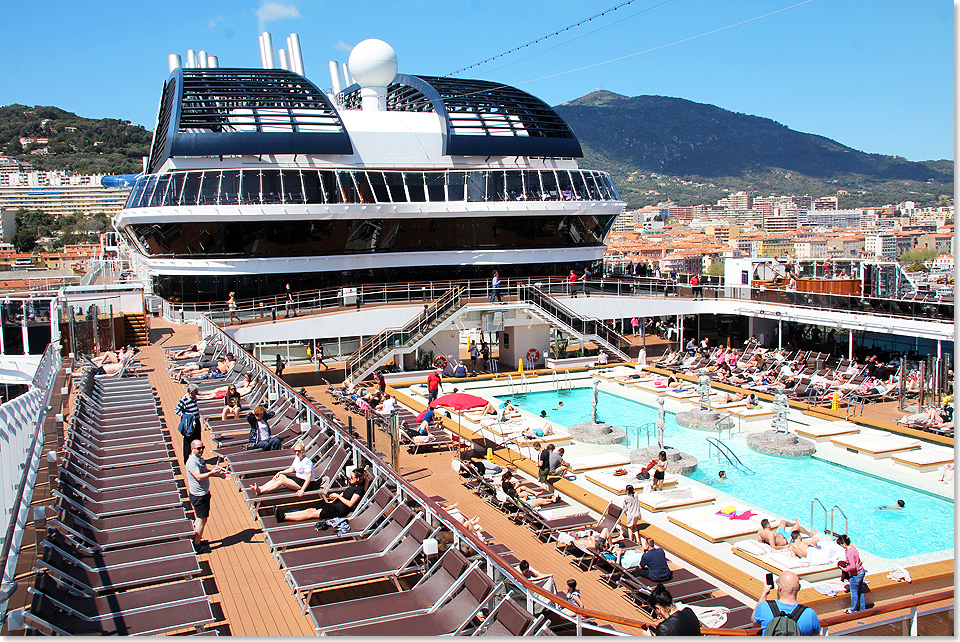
[785,486]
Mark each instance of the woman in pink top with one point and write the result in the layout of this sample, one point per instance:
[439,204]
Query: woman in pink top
[853,567]
[732,358]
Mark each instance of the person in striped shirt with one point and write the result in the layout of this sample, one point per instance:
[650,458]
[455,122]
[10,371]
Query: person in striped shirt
[190,429]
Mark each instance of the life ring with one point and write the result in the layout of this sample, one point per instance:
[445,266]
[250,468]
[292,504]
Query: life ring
[533,355]
[440,362]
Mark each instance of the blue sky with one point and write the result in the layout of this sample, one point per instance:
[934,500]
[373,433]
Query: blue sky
[876,75]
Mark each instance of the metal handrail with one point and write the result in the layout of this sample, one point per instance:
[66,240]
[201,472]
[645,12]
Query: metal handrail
[846,522]
[730,456]
[824,508]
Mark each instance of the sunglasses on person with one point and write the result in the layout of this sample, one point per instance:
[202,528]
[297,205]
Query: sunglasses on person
[199,448]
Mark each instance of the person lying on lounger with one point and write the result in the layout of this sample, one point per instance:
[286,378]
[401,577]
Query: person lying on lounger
[775,534]
[545,428]
[297,476]
[518,494]
[333,505]
[193,352]
[113,357]
[799,546]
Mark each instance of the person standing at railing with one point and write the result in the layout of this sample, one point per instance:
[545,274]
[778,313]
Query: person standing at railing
[320,357]
[853,567]
[278,367]
[232,307]
[495,288]
[288,304]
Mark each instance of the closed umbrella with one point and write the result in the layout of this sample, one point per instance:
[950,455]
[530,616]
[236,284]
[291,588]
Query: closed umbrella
[459,401]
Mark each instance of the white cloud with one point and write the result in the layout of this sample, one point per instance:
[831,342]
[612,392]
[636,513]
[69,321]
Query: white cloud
[270,11]
[342,46]
[215,21]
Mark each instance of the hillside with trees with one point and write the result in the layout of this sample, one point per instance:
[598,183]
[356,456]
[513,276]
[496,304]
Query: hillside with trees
[81,145]
[669,149]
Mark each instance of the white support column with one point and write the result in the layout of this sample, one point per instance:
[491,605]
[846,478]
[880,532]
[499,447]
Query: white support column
[779,333]
[850,344]
[26,335]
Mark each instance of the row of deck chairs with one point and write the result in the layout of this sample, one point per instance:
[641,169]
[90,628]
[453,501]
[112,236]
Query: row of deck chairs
[118,558]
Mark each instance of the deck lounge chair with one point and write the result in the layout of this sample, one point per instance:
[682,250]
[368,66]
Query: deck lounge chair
[69,497]
[926,459]
[451,618]
[391,565]
[546,527]
[292,535]
[330,466]
[149,611]
[380,539]
[91,539]
[664,500]
[443,577]
[509,619]
[68,473]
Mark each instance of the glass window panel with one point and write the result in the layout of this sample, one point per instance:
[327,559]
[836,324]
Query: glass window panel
[592,188]
[209,188]
[550,190]
[495,186]
[312,188]
[379,185]
[229,188]
[137,192]
[565,184]
[435,186]
[364,190]
[604,186]
[531,185]
[579,186]
[348,189]
[476,186]
[147,190]
[250,187]
[611,187]
[455,186]
[270,188]
[514,189]
[156,199]
[331,190]
[394,180]
[191,188]
[414,181]
[172,194]
[292,187]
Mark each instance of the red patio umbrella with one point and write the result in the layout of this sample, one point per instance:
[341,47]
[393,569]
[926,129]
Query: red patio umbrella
[459,401]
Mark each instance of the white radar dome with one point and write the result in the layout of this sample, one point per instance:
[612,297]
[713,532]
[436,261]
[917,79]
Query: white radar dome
[373,63]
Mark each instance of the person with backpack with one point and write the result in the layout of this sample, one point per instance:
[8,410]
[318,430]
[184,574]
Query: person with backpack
[784,615]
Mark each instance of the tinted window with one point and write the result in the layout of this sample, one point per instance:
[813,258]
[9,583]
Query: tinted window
[455,186]
[348,190]
[435,186]
[292,188]
[250,187]
[229,188]
[514,189]
[550,190]
[476,186]
[331,189]
[495,186]
[191,188]
[208,188]
[270,187]
[414,182]
[172,195]
[531,185]
[379,185]
[312,189]
[394,181]
[156,199]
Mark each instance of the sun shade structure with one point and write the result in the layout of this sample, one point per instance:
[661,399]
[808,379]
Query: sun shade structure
[459,401]
[225,111]
[481,118]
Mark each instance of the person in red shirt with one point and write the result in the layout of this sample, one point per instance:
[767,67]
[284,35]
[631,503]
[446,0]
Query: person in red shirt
[573,284]
[433,385]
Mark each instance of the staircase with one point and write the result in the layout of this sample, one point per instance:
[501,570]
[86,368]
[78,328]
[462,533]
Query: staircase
[135,330]
[555,313]
[372,354]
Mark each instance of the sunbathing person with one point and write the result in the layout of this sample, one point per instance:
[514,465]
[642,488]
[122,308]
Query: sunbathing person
[545,428]
[546,582]
[775,535]
[203,369]
[799,545]
[929,417]
[517,494]
[333,505]
[245,386]
[113,357]
[298,476]
[115,368]
[193,352]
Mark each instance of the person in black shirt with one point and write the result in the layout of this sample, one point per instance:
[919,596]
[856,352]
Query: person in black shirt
[673,622]
[333,505]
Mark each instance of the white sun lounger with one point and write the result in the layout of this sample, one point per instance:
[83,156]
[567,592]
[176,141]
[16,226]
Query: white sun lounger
[712,527]
[826,430]
[664,500]
[876,447]
[926,459]
[591,462]
[617,484]
[752,414]
[778,561]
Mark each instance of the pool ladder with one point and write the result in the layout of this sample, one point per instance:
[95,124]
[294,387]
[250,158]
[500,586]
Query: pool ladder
[563,383]
[647,428]
[833,511]
[517,388]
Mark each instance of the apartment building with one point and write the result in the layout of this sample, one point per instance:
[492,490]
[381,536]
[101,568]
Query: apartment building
[882,246]
[60,193]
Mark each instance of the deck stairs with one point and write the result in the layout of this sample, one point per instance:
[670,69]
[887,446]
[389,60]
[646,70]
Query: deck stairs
[392,341]
[135,330]
[558,315]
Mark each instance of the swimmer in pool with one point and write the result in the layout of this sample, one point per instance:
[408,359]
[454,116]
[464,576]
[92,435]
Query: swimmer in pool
[559,406]
[722,478]
[900,504]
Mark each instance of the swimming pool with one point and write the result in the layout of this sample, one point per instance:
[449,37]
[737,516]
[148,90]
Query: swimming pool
[785,486]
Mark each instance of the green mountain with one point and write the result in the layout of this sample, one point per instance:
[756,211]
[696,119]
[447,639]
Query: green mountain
[83,145]
[659,148]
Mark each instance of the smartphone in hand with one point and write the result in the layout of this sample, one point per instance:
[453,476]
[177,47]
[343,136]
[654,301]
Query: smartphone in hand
[770,580]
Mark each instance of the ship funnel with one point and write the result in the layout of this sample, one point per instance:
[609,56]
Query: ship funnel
[202,58]
[284,63]
[213,62]
[268,62]
[373,65]
[174,62]
[335,84]
[191,59]
[295,53]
